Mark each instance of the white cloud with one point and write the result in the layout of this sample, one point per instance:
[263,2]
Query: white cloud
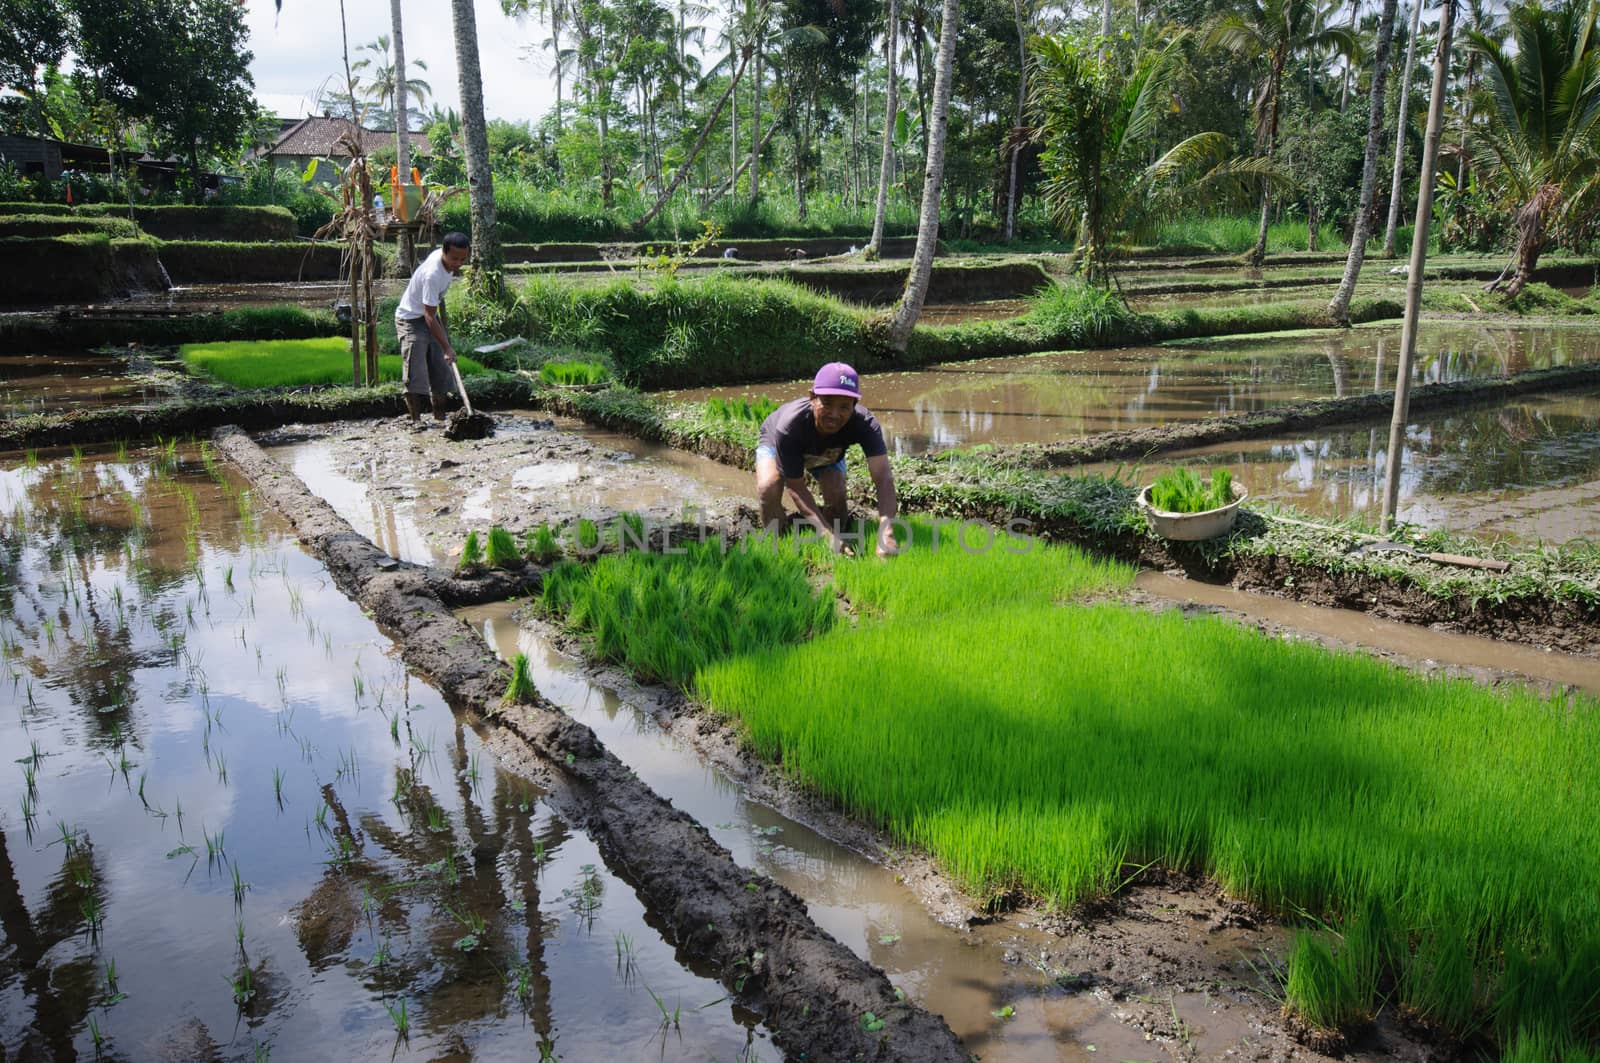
[297,51]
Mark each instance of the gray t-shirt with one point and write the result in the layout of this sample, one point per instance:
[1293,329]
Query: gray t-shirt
[427,287]
[791,431]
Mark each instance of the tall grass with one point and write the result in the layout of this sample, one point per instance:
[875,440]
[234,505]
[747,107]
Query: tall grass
[685,331]
[1078,315]
[289,363]
[1049,747]
[1237,235]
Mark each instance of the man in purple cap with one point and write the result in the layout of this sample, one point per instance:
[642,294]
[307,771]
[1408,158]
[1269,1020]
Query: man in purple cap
[810,435]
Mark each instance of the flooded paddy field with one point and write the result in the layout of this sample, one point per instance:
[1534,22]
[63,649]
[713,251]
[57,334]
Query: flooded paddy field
[1528,470]
[236,828]
[57,383]
[1045,398]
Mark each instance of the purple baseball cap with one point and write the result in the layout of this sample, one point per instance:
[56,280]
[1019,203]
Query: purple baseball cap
[836,378]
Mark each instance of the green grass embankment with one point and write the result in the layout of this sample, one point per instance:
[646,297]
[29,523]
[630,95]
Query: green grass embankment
[177,222]
[1034,744]
[290,363]
[34,333]
[671,332]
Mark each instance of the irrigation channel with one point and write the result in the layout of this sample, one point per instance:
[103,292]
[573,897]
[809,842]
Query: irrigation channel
[237,826]
[1047,397]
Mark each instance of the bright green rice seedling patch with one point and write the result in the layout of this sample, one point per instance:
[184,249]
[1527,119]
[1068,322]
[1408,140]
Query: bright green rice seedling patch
[666,616]
[540,545]
[471,551]
[751,411]
[1054,748]
[521,686]
[502,549]
[289,363]
[1181,491]
[1320,988]
[570,373]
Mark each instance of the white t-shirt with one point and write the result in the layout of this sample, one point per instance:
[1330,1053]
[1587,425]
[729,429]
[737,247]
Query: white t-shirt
[427,287]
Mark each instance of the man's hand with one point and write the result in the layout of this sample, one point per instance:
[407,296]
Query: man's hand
[449,355]
[887,545]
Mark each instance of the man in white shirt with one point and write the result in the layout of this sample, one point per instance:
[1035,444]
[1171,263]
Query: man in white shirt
[425,351]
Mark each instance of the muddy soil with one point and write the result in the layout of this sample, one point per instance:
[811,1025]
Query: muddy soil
[811,990]
[1171,968]
[532,471]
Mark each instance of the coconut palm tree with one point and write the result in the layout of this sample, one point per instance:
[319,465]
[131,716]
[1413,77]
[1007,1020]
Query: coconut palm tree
[487,258]
[383,70]
[557,12]
[1339,307]
[1098,120]
[1273,32]
[891,108]
[1401,117]
[916,293]
[1541,142]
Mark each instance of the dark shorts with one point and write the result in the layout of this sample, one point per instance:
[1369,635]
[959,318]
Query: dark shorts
[423,369]
[764,451]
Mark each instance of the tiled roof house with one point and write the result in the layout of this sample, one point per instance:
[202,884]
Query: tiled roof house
[319,138]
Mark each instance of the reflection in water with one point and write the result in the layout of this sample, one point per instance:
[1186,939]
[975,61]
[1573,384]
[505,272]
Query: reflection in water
[237,823]
[1529,469]
[1049,397]
[56,383]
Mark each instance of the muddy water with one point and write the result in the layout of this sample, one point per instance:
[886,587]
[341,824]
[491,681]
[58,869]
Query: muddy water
[1528,470]
[1408,641]
[312,295]
[418,494]
[56,383]
[956,313]
[965,976]
[1043,398]
[238,827]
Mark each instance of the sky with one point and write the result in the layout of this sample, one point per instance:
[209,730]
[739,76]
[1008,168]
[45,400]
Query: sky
[296,52]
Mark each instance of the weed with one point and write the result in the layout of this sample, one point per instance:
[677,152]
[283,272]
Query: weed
[239,886]
[114,995]
[627,962]
[402,1022]
[243,986]
[93,915]
[277,786]
[438,822]
[476,926]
